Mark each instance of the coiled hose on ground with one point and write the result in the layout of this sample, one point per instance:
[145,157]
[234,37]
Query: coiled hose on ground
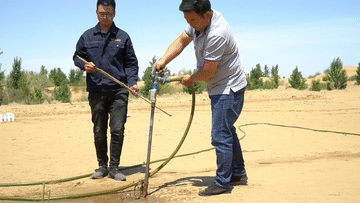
[78,196]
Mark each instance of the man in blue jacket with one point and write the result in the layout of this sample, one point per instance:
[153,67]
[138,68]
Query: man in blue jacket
[109,48]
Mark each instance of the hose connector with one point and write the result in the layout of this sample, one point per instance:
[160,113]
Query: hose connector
[157,79]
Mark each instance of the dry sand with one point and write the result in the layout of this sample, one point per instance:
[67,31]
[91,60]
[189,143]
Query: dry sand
[55,141]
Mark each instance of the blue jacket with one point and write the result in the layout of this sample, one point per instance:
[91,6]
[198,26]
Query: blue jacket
[112,52]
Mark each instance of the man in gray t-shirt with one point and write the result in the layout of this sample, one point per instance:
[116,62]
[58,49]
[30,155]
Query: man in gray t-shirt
[217,43]
[219,65]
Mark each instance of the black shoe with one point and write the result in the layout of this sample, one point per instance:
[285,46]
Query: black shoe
[239,180]
[100,172]
[213,189]
[116,174]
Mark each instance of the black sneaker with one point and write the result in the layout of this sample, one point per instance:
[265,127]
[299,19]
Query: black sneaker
[116,174]
[239,180]
[100,172]
[213,189]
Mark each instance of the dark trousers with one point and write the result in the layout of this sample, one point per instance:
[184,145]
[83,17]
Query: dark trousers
[103,105]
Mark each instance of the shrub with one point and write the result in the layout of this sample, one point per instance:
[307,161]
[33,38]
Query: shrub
[62,93]
[18,85]
[336,75]
[357,76]
[148,83]
[24,84]
[15,74]
[15,96]
[254,80]
[296,80]
[57,76]
[313,76]
[268,85]
[317,86]
[36,96]
[266,71]
[275,76]
[76,78]
[325,78]
[39,80]
[2,77]
[352,78]
[3,97]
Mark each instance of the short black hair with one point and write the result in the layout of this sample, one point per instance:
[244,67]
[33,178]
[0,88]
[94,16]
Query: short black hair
[199,6]
[106,3]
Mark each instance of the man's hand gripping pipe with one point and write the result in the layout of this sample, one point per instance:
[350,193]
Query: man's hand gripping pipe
[122,84]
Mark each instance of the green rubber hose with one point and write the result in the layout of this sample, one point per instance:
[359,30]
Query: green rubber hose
[78,196]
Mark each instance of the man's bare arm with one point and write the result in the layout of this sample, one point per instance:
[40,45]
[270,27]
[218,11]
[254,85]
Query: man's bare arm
[175,48]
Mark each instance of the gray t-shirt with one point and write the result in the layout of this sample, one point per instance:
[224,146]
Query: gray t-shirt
[217,43]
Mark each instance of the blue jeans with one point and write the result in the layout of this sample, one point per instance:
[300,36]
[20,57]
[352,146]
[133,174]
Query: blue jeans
[225,111]
[103,105]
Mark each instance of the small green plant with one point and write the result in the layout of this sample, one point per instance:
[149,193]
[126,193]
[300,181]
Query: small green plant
[15,96]
[352,78]
[62,93]
[39,80]
[337,78]
[3,96]
[296,80]
[313,76]
[254,80]
[15,74]
[317,86]
[268,85]
[36,96]
[57,76]
[275,76]
[24,83]
[148,83]
[17,83]
[266,71]
[76,78]
[357,76]
[325,78]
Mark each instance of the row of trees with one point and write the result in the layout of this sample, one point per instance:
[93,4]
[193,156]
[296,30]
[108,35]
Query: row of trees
[335,78]
[255,78]
[30,87]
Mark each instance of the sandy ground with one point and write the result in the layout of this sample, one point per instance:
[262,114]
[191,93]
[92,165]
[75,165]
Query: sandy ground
[55,141]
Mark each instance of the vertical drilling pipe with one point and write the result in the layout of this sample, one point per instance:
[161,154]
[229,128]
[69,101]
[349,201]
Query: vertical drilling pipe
[147,169]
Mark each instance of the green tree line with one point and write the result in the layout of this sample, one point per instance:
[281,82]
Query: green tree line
[29,87]
[335,78]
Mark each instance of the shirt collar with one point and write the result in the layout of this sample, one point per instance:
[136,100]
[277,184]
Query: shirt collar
[198,32]
[98,30]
